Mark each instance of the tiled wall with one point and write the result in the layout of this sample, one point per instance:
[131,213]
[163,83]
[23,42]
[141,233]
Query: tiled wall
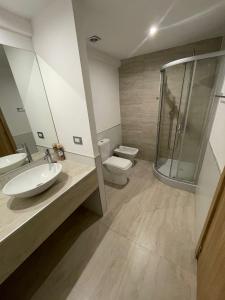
[139,89]
[114,134]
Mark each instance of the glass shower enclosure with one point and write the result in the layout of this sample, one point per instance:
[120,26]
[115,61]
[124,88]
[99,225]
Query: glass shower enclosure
[187,106]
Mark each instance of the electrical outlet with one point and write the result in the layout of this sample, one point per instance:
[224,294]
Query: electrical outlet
[77,140]
[40,135]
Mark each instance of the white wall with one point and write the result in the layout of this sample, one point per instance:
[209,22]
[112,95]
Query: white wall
[14,23]
[55,42]
[82,44]
[104,77]
[15,31]
[30,86]
[206,188]
[217,137]
[217,140]
[214,160]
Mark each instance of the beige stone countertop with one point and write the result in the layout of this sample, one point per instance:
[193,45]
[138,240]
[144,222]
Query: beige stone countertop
[15,212]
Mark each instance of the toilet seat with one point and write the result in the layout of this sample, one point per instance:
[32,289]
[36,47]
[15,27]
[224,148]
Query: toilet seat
[117,164]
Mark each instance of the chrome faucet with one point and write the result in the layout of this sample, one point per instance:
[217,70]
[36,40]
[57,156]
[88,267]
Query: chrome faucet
[25,149]
[49,157]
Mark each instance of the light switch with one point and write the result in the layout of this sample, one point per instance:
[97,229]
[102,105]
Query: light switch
[77,140]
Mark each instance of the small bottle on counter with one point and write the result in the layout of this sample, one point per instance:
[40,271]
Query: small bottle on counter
[61,152]
[55,149]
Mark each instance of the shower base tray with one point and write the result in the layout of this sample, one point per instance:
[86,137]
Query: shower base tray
[183,185]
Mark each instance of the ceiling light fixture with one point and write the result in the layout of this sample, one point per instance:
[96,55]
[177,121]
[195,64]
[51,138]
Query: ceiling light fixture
[94,38]
[153,30]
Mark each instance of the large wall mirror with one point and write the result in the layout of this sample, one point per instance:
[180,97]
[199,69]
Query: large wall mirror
[26,122]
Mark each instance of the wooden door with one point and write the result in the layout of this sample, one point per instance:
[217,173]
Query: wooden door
[211,250]
[7,144]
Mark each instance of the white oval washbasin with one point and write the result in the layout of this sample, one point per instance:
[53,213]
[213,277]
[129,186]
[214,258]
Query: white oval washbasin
[11,162]
[33,181]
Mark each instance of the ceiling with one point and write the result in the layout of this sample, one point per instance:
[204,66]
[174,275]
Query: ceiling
[24,8]
[123,25]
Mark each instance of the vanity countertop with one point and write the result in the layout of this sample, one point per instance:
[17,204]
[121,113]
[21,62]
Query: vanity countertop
[14,212]
[25,223]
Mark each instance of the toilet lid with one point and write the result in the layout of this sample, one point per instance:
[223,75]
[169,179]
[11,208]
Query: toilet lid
[118,162]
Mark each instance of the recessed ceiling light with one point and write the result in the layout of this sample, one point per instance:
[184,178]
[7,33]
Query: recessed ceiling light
[94,38]
[153,30]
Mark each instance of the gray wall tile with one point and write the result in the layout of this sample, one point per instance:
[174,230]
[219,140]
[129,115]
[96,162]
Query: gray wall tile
[139,88]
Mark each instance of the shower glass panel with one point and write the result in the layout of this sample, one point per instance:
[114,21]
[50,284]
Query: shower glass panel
[171,93]
[186,106]
[181,118]
[196,118]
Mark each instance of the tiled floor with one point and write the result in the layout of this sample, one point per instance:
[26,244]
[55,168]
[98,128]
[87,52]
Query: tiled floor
[143,249]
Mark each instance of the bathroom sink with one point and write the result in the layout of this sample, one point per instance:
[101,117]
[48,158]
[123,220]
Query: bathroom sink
[33,181]
[11,162]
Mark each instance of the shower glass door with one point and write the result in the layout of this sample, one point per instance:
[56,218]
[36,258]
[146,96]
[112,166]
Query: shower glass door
[186,99]
[181,118]
[196,117]
[170,124]
[187,110]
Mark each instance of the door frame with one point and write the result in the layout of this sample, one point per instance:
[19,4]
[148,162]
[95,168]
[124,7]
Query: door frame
[9,138]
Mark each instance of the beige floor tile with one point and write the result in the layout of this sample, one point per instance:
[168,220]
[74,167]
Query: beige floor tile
[74,265]
[100,276]
[150,276]
[142,249]
[170,232]
[75,295]
[161,196]
[125,220]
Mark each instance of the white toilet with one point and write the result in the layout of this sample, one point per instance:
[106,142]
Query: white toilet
[115,169]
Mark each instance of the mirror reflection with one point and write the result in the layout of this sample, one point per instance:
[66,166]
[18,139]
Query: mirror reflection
[26,123]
